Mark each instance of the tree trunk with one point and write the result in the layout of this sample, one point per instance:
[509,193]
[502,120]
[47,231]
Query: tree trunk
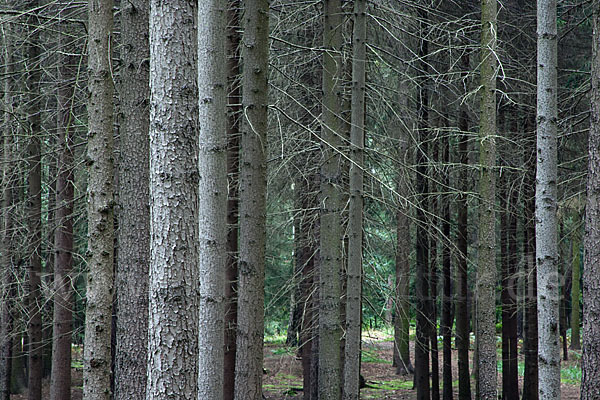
[462,312]
[212,194]
[253,189]
[173,285]
[433,279]
[134,197]
[99,290]
[34,206]
[422,247]
[546,203]
[234,100]
[447,309]
[331,181]
[590,382]
[575,292]
[355,224]
[486,268]
[60,377]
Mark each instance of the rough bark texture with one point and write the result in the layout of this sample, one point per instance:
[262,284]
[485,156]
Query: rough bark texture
[234,100]
[546,203]
[60,380]
[590,382]
[253,190]
[355,223]
[99,289]
[34,207]
[173,323]
[486,268]
[212,194]
[447,303]
[331,181]
[576,292]
[134,200]
[462,312]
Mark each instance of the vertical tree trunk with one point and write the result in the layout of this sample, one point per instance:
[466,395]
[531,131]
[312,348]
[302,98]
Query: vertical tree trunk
[546,203]
[433,280]
[590,382]
[462,312]
[422,246]
[234,100]
[212,193]
[486,268]
[6,249]
[447,304]
[134,197]
[99,290]
[34,205]
[60,378]
[575,292]
[355,224]
[530,345]
[253,189]
[173,286]
[331,235]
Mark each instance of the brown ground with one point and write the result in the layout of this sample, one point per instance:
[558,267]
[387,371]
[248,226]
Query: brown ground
[284,371]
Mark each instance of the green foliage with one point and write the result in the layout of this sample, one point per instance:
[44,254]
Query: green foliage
[571,375]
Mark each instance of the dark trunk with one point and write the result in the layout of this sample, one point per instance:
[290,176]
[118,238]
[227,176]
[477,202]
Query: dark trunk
[447,311]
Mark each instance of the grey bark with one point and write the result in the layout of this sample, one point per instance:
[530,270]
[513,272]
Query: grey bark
[212,195]
[355,222]
[173,285]
[253,190]
[590,382]
[546,228]
[576,291]
[99,289]
[486,268]
[330,212]
[133,257]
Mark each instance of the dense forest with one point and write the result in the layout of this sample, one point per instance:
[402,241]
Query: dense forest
[320,199]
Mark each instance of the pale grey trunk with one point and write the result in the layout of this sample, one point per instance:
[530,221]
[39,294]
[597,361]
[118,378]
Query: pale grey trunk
[331,181]
[212,195]
[486,269]
[355,218]
[133,256]
[99,289]
[546,228]
[253,190]
[590,382]
[173,285]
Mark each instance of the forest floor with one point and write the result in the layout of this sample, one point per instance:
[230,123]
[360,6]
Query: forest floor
[284,372]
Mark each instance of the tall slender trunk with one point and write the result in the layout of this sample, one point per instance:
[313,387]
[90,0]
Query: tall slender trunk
[462,312]
[60,378]
[99,289]
[576,292]
[433,279]
[212,195]
[34,205]
[253,189]
[447,303]
[422,247]
[234,100]
[486,263]
[173,285]
[546,202]
[355,223]
[331,236]
[133,256]
[590,382]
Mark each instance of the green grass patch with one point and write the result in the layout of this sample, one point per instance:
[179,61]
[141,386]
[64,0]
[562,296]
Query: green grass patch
[571,375]
[288,351]
[370,356]
[275,339]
